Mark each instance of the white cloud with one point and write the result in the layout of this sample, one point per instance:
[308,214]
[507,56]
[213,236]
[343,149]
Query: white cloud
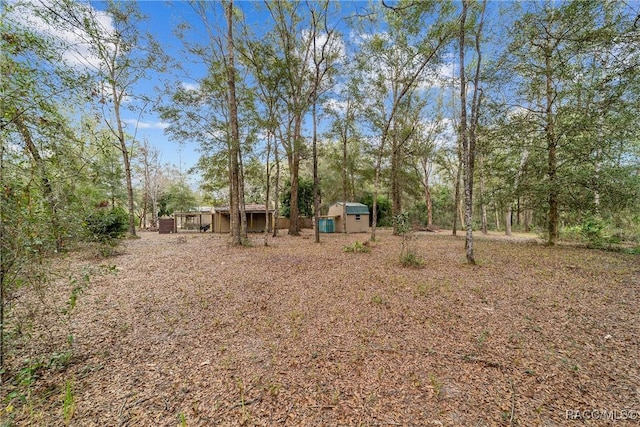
[334,47]
[190,86]
[78,52]
[146,125]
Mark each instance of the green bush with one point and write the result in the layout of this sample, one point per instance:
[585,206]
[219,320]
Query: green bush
[591,229]
[107,225]
[411,259]
[357,247]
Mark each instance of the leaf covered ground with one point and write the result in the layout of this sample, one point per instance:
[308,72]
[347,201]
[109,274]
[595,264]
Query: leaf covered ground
[190,331]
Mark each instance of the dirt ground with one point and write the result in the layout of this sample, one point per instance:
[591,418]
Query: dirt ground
[188,331]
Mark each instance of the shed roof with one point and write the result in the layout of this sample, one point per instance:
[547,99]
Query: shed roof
[247,208]
[354,208]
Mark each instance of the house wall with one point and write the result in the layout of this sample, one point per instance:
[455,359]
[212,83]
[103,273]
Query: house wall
[255,222]
[221,223]
[336,212]
[353,226]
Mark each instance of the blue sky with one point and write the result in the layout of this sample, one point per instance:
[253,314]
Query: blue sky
[163,18]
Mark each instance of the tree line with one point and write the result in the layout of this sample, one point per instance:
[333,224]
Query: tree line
[396,101]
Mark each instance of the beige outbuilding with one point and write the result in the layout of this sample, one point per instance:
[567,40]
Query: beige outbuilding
[257,217]
[357,218]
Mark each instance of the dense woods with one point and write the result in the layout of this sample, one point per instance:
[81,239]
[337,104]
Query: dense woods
[473,115]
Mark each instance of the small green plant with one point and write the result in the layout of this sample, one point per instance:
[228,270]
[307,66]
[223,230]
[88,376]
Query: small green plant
[29,373]
[357,247]
[274,389]
[436,384]
[423,289]
[68,403]
[408,257]
[60,360]
[182,419]
[591,230]
[483,337]
[411,259]
[377,299]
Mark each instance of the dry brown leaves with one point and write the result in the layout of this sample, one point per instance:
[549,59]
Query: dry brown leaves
[192,331]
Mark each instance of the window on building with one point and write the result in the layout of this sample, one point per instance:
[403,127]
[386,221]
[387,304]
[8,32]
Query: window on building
[357,217]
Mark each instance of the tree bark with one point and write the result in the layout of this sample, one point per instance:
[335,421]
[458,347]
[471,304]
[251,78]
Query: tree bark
[316,179]
[456,200]
[464,138]
[267,225]
[396,192]
[294,213]
[234,152]
[124,149]
[552,145]
[276,210]
[345,140]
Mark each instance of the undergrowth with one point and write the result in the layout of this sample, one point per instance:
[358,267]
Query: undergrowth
[357,247]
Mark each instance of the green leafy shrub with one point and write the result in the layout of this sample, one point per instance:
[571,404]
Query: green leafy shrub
[411,259]
[591,230]
[107,227]
[357,247]
[569,234]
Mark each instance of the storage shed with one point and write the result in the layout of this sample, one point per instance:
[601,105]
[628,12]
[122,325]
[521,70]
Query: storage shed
[357,217]
[257,217]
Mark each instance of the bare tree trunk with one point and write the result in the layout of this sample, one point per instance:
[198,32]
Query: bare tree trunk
[345,140]
[429,202]
[376,183]
[552,163]
[294,213]
[456,201]
[241,204]
[267,226]
[124,149]
[507,221]
[483,205]
[464,139]
[396,193]
[470,134]
[316,180]
[234,152]
[528,216]
[276,210]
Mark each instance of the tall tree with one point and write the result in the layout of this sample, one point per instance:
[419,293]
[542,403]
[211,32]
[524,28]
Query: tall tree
[205,112]
[395,63]
[295,51]
[325,54]
[120,56]
[552,44]
[469,125]
[237,193]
